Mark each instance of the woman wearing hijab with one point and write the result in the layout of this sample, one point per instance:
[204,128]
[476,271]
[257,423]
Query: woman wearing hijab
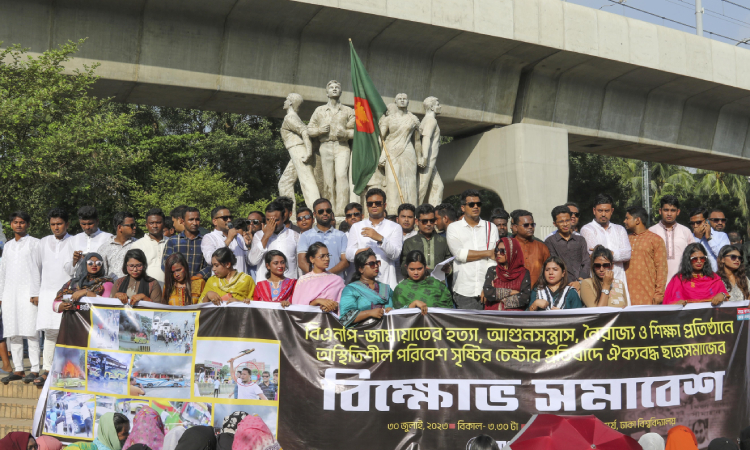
[112,432]
[90,280]
[48,443]
[148,429]
[18,440]
[198,438]
[253,434]
[81,446]
[722,443]
[745,439]
[136,286]
[229,428]
[507,286]
[681,437]
[651,441]
[173,437]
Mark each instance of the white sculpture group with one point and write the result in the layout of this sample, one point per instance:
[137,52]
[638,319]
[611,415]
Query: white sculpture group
[412,146]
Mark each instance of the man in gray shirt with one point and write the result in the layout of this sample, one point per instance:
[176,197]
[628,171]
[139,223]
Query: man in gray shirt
[570,247]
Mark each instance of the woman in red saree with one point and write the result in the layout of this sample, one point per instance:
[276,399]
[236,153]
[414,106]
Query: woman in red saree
[507,286]
[277,288]
[696,282]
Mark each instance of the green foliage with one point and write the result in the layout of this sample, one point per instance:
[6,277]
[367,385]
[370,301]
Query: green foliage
[591,174]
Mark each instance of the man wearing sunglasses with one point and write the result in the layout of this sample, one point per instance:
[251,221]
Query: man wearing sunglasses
[114,250]
[718,220]
[472,241]
[647,269]
[535,252]
[384,237]
[353,213]
[304,219]
[324,231]
[225,234]
[612,236]
[712,240]
[432,245]
[676,237]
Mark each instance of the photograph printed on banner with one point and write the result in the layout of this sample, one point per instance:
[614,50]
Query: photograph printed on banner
[105,324]
[163,376]
[127,406]
[172,332]
[108,372]
[186,414]
[269,414]
[69,414]
[68,369]
[244,369]
[135,330]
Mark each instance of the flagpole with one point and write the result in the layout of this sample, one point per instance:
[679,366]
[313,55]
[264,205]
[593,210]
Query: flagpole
[395,177]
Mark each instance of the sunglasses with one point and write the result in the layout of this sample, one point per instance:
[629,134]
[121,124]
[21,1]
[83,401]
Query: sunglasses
[576,214]
[377,204]
[254,221]
[325,211]
[373,264]
[698,258]
[224,218]
[474,204]
[304,217]
[132,225]
[499,251]
[718,220]
[350,215]
[603,266]
[94,263]
[697,222]
[426,221]
[529,225]
[733,257]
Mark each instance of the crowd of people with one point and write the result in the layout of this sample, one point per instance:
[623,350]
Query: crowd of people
[367,265]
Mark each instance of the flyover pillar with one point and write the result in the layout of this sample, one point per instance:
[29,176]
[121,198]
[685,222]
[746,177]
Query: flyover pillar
[526,165]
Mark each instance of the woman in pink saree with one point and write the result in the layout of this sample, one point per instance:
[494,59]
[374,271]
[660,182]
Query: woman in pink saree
[318,288]
[696,282]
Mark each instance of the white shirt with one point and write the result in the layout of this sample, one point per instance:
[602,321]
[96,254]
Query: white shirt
[249,391]
[154,251]
[53,253]
[20,279]
[676,239]
[215,240]
[615,238]
[388,252]
[84,243]
[285,242]
[718,240]
[217,383]
[468,277]
[413,232]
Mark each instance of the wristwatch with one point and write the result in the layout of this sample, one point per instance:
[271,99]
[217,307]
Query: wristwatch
[605,291]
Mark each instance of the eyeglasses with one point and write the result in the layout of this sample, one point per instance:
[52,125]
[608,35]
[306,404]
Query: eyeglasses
[135,266]
[325,211]
[697,222]
[575,214]
[324,256]
[131,225]
[254,221]
[718,220]
[529,225]
[698,258]
[350,215]
[603,266]
[94,263]
[224,218]
[304,217]
[733,257]
[474,204]
[373,264]
[499,251]
[377,204]
[426,221]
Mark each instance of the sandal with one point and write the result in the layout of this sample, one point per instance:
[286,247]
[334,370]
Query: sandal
[12,377]
[41,379]
[30,377]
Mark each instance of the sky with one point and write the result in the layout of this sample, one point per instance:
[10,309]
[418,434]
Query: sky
[720,16]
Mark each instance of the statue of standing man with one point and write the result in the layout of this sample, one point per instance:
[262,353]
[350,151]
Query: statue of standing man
[333,125]
[400,129]
[430,183]
[295,136]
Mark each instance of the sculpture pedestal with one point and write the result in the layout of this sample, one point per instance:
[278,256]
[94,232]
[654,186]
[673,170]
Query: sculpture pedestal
[526,165]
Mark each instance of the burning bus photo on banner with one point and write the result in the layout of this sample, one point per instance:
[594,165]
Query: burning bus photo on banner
[68,369]
[240,369]
[105,324]
[163,376]
[135,330]
[269,414]
[69,414]
[108,372]
[185,414]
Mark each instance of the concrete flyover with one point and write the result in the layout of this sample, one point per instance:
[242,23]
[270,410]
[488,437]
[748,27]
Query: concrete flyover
[608,83]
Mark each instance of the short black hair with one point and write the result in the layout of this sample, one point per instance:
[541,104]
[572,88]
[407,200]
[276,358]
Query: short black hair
[87,213]
[319,201]
[699,211]
[275,206]
[275,370]
[241,224]
[557,210]
[446,210]
[155,212]
[424,208]
[375,191]
[119,420]
[287,202]
[574,205]
[249,372]
[216,211]
[353,205]
[189,209]
[303,209]
[178,212]
[406,207]
[119,218]
[469,193]
[21,215]
[604,199]
[138,255]
[258,213]
[638,212]
[715,210]
[224,256]
[499,213]
[518,213]
[58,213]
[669,200]
[344,226]
[168,223]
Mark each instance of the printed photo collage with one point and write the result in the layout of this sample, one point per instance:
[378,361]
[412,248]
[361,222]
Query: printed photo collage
[139,358]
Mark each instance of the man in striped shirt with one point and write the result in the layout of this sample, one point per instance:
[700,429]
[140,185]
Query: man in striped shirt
[188,242]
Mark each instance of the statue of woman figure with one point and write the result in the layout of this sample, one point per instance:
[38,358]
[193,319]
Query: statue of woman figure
[400,129]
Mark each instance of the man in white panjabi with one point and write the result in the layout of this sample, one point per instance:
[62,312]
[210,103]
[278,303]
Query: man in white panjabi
[89,240]
[20,278]
[301,165]
[53,253]
[430,184]
[401,131]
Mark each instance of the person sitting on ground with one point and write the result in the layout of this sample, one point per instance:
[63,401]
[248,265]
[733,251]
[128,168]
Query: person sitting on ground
[173,437]
[148,430]
[90,280]
[318,287]
[48,443]
[602,288]
[136,286]
[180,288]
[681,437]
[112,432]
[253,434]
[277,287]
[419,289]
[18,440]
[507,286]
[227,284]
[225,439]
[744,439]
[199,437]
[651,441]
[482,442]
[722,443]
[696,282]
[364,298]
[732,273]
[552,291]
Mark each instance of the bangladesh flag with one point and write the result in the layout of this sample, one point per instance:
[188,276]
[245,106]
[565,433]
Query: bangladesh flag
[368,109]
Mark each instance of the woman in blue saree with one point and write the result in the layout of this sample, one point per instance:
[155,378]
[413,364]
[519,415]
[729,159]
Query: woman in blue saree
[365,299]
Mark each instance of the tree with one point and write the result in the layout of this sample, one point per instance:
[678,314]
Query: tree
[591,174]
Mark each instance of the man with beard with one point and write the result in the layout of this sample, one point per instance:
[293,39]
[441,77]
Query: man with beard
[500,218]
[432,245]
[323,231]
[676,237]
[274,236]
[612,236]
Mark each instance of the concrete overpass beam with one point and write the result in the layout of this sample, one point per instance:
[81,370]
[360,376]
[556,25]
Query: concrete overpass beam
[526,165]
